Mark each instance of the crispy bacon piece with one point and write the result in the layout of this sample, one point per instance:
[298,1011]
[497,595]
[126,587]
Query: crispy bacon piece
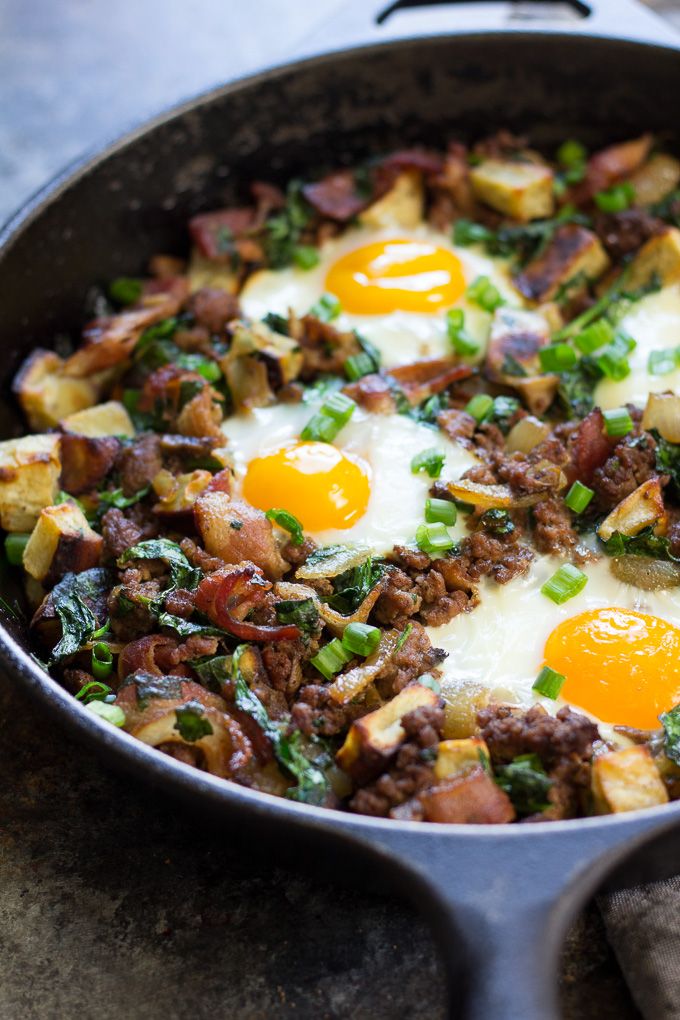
[213,232]
[591,446]
[336,196]
[155,653]
[85,461]
[429,163]
[227,596]
[423,379]
[610,165]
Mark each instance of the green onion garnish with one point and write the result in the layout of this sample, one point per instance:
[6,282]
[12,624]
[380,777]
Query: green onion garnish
[332,416]
[597,335]
[571,153]
[94,690]
[288,522]
[206,367]
[359,365]
[125,290]
[305,256]
[102,661]
[113,714]
[578,497]
[15,543]
[484,293]
[455,328]
[440,511]
[360,638]
[613,363]
[434,539]
[331,658]
[431,461]
[615,199]
[327,308]
[479,406]
[565,583]
[549,683]
[618,422]
[557,357]
[427,680]
[663,362]
[466,232]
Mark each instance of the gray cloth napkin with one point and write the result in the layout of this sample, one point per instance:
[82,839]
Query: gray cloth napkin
[643,929]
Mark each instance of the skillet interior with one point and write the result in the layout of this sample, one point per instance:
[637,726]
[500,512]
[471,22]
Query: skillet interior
[135,200]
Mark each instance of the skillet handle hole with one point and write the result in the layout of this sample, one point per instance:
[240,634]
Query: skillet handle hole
[520,10]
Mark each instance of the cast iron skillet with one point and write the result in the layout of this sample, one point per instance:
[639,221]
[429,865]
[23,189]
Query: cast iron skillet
[500,898]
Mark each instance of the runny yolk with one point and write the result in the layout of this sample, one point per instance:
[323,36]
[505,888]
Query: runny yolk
[621,665]
[320,485]
[396,275]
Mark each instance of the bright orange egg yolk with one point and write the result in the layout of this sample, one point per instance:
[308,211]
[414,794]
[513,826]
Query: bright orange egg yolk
[621,665]
[396,275]
[320,485]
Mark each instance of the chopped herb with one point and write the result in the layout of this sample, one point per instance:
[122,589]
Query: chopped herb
[282,230]
[502,411]
[571,153]
[191,722]
[277,323]
[187,628]
[125,290]
[497,521]
[523,242]
[206,367]
[465,232]
[116,498]
[403,637]
[645,543]
[305,256]
[576,387]
[615,199]
[430,461]
[352,586]
[526,784]
[213,672]
[150,687]
[288,522]
[512,367]
[671,726]
[71,599]
[668,461]
[182,574]
[302,612]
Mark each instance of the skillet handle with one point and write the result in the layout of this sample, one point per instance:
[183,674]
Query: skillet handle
[360,22]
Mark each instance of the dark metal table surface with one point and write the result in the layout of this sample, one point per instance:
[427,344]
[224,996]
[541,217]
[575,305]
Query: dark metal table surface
[111,903]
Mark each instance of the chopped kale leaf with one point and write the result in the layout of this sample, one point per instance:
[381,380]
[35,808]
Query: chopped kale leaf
[191,723]
[526,784]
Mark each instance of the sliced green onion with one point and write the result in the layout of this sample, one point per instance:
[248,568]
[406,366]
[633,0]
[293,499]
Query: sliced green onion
[615,199]
[484,293]
[571,153]
[332,416]
[288,522]
[359,365]
[663,362]
[427,680]
[102,661]
[549,683]
[479,406]
[557,357]
[305,256]
[618,422]
[578,497]
[440,511]
[613,364]
[434,539]
[206,367]
[597,335]
[455,328]
[574,174]
[360,638]
[327,308]
[15,543]
[565,583]
[125,290]
[113,714]
[431,461]
[331,658]
[466,232]
[93,691]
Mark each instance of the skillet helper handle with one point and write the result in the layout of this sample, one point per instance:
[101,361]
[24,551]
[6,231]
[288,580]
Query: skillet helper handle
[361,22]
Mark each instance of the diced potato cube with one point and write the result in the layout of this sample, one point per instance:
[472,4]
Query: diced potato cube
[45,394]
[656,178]
[402,206]
[523,191]
[516,337]
[455,757]
[109,419]
[639,510]
[375,737]
[29,479]
[204,272]
[626,781]
[61,541]
[658,258]
[472,798]
[573,257]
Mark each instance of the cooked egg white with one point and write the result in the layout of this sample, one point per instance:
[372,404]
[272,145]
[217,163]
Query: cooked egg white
[414,278]
[360,490]
[617,645]
[654,323]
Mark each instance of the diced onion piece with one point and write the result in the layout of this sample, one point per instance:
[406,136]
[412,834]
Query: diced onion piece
[663,414]
[353,683]
[645,572]
[338,560]
[637,511]
[488,496]
[526,434]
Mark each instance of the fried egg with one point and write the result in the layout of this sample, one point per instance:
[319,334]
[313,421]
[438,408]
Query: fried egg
[654,324]
[617,646]
[394,288]
[359,490]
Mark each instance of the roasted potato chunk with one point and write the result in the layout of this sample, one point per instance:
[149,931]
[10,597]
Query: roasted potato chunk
[517,336]
[455,757]
[177,494]
[236,531]
[259,362]
[627,781]
[573,258]
[521,190]
[29,479]
[61,541]
[109,419]
[658,259]
[402,206]
[373,739]
[655,179]
[203,272]
[641,509]
[471,798]
[45,394]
